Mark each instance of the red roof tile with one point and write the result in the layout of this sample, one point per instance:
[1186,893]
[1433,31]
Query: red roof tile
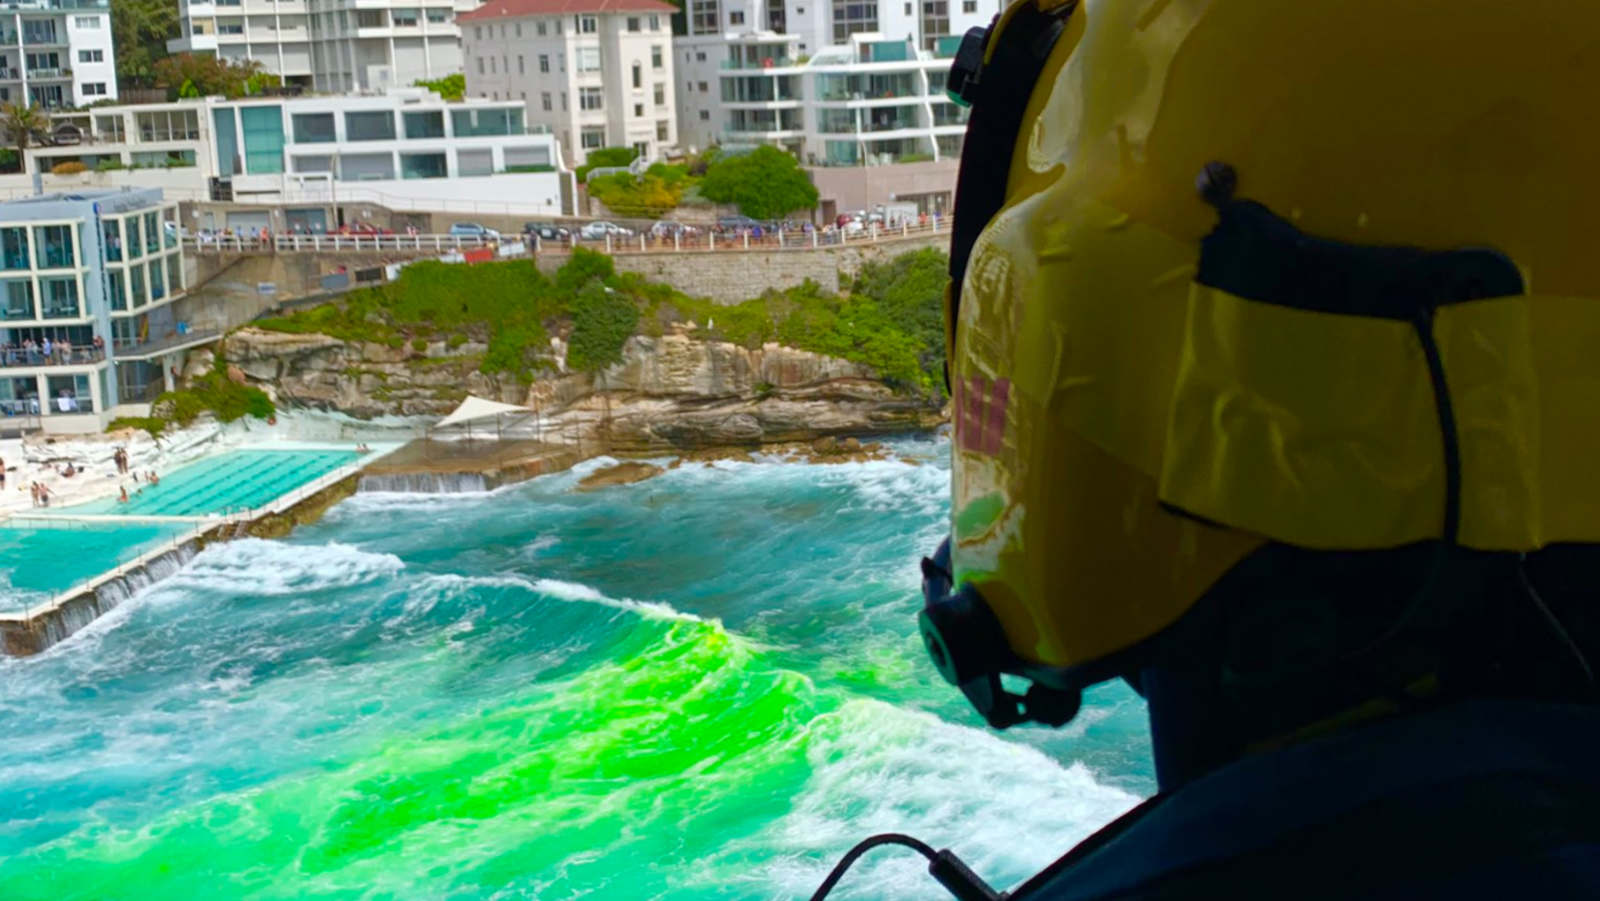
[495,9]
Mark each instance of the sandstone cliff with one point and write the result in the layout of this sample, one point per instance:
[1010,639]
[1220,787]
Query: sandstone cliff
[672,391]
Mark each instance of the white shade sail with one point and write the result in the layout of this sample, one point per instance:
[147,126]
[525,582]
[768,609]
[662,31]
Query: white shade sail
[474,409]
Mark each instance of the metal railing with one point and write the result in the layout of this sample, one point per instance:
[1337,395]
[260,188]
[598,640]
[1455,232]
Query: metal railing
[698,241]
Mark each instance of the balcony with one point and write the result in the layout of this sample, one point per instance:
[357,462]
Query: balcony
[48,74]
[74,356]
[767,62]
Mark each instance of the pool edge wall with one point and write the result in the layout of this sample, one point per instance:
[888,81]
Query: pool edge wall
[34,633]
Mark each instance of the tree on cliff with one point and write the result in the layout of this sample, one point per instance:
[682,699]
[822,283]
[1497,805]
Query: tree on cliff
[765,183]
[602,321]
[139,29]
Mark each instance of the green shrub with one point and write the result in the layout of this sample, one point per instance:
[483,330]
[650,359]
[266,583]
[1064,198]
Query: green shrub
[532,167]
[602,321]
[151,424]
[455,341]
[603,158]
[419,344]
[109,164]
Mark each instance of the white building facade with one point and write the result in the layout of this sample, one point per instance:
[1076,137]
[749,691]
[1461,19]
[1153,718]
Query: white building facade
[406,149]
[737,50]
[596,73]
[94,274]
[333,46]
[57,53]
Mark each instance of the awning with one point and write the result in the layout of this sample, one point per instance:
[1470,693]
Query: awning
[474,409]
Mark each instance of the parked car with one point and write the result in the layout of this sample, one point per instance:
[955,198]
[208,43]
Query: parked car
[546,231]
[597,231]
[473,230]
[667,228]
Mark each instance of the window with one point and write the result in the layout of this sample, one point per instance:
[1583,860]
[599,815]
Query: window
[544,62]
[369,18]
[54,245]
[700,56]
[377,125]
[152,232]
[705,116]
[592,138]
[94,87]
[589,99]
[587,24]
[935,22]
[471,163]
[136,285]
[908,9]
[91,56]
[544,101]
[423,165]
[14,249]
[135,245]
[313,128]
[366,166]
[438,15]
[423,124]
[158,287]
[705,17]
[969,6]
[471,123]
[638,76]
[655,23]
[88,23]
[521,69]
[477,33]
[317,163]
[563,101]
[558,26]
[853,17]
[519,29]
[480,65]
[60,295]
[703,88]
[588,59]
[638,111]
[661,94]
[655,57]
[661,130]
[736,17]
[633,23]
[491,65]
[263,139]
[527,157]
[403,18]
[539,26]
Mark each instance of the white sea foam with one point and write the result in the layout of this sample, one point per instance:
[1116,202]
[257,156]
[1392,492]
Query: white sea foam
[252,566]
[1007,809]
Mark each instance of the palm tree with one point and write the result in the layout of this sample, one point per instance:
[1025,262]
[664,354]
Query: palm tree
[21,123]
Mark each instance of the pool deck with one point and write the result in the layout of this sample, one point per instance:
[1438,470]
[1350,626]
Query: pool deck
[38,627]
[491,463]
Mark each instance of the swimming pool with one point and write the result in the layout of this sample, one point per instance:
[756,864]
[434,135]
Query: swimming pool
[38,562]
[236,480]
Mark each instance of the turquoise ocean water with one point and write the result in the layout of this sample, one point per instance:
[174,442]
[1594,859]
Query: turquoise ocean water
[706,685]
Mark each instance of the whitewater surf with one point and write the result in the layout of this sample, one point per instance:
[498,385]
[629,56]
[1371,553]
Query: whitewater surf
[706,685]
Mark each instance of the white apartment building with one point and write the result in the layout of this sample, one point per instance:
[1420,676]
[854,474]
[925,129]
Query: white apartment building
[834,38]
[407,149]
[56,53]
[597,73]
[333,46]
[870,101]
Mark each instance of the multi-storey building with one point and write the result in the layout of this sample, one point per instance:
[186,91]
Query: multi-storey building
[406,149]
[56,53]
[723,39]
[329,45]
[87,283]
[869,101]
[597,73]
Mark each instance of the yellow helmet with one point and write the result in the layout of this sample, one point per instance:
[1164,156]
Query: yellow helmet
[1375,324]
